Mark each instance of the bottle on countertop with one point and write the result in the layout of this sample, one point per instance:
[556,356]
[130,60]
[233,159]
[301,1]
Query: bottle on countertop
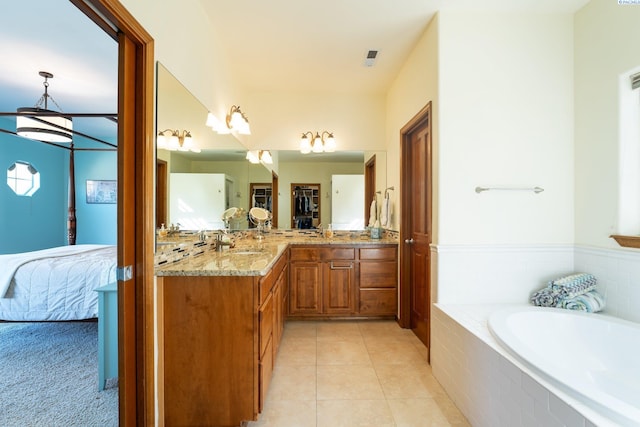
[328,233]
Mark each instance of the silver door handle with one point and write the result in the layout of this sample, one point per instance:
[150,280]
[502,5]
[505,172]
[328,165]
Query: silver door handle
[409,241]
[335,267]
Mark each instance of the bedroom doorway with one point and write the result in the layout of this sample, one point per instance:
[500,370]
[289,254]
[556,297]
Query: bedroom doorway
[135,236]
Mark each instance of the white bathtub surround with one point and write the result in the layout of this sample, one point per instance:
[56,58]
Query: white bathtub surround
[618,274]
[496,274]
[489,385]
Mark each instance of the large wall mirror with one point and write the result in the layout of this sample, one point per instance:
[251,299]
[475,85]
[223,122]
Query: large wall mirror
[194,188]
[224,178]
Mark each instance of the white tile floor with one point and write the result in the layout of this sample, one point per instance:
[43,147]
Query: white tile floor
[354,373]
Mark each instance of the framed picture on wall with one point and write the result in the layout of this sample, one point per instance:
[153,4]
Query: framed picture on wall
[101,191]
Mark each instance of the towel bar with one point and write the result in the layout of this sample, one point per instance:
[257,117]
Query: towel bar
[534,189]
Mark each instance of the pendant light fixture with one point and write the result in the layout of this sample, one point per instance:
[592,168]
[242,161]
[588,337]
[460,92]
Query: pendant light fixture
[42,124]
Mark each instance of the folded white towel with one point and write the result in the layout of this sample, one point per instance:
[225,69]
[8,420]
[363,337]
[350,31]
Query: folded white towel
[373,213]
[384,213]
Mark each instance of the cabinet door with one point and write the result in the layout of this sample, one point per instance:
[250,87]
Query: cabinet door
[339,287]
[277,314]
[264,374]
[266,318]
[306,288]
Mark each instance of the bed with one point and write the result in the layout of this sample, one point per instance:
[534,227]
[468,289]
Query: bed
[56,283]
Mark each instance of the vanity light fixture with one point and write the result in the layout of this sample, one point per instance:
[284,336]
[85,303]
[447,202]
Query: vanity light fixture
[216,125]
[317,143]
[253,156]
[173,140]
[265,157]
[257,156]
[235,121]
[42,124]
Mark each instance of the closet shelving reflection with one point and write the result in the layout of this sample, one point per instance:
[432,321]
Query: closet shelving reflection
[305,206]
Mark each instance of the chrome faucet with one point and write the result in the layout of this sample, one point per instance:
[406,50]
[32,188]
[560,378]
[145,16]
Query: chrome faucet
[174,229]
[220,243]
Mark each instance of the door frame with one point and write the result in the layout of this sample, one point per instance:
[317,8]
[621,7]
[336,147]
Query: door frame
[274,199]
[135,236]
[162,174]
[424,115]
[369,187]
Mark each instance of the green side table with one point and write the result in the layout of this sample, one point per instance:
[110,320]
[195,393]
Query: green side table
[107,333]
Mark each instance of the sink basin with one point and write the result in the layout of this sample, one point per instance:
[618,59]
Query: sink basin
[247,252]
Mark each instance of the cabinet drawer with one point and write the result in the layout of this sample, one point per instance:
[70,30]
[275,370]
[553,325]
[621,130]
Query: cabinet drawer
[390,252]
[266,322]
[329,254]
[378,301]
[267,281]
[304,254]
[381,274]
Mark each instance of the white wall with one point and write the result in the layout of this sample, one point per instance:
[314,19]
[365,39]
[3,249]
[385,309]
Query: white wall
[506,120]
[279,119]
[415,86]
[182,33]
[606,36]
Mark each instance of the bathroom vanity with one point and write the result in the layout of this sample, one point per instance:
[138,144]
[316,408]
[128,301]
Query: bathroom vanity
[221,316]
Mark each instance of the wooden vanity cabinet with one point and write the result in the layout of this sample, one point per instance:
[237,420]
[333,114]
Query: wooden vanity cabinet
[270,323]
[323,280]
[218,337]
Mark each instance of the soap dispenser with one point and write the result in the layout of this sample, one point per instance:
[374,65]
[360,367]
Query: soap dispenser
[328,233]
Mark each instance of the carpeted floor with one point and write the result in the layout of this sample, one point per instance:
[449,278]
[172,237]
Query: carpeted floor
[49,376]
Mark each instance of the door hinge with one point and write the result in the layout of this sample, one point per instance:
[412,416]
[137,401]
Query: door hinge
[124,273]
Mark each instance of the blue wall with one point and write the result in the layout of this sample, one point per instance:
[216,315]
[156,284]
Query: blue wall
[97,223]
[40,221]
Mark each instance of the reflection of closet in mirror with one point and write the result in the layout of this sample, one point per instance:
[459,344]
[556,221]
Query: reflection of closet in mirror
[305,206]
[261,197]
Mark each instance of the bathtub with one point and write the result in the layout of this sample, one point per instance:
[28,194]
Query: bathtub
[592,357]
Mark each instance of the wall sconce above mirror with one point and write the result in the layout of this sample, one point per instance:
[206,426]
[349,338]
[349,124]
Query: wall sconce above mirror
[174,140]
[257,156]
[318,143]
[236,121]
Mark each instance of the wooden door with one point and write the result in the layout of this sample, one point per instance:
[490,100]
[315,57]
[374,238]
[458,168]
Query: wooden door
[161,193]
[416,224]
[306,288]
[338,291]
[135,236]
[274,199]
[369,186]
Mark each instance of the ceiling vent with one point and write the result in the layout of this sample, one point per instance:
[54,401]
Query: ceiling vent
[371,58]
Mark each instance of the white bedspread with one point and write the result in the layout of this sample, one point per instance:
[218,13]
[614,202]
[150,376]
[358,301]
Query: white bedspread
[55,284]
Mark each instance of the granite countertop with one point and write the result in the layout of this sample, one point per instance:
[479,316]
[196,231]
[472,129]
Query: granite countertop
[249,256]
